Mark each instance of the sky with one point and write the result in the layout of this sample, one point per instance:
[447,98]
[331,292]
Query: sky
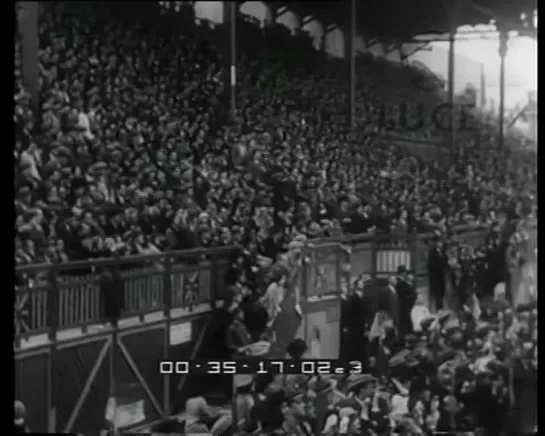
[472,51]
[520,63]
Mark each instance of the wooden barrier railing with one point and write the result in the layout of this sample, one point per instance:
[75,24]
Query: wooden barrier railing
[372,254]
[60,296]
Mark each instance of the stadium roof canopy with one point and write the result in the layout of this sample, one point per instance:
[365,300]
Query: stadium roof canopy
[402,20]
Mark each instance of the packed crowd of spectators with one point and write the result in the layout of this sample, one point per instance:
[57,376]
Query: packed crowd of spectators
[460,372]
[469,366]
[133,155]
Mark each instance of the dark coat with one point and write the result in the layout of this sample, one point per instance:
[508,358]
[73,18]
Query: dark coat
[524,413]
[180,238]
[255,317]
[355,309]
[231,276]
[237,336]
[437,268]
[406,296]
[388,302]
[112,294]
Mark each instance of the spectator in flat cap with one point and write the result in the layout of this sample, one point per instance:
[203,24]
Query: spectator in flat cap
[406,295]
[237,336]
[437,269]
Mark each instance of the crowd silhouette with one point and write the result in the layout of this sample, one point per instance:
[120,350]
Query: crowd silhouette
[133,154]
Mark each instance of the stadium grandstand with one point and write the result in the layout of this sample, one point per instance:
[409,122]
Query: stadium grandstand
[202,182]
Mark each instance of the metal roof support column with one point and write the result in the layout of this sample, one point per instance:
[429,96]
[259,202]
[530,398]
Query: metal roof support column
[399,49]
[503,40]
[531,112]
[453,9]
[27,17]
[350,55]
[451,67]
[230,66]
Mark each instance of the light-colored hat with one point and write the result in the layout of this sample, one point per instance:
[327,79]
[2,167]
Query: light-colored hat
[346,412]
[300,238]
[295,245]
[499,291]
[240,380]
[196,406]
[259,348]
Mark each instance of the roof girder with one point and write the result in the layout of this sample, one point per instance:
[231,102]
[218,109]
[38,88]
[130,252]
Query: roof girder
[429,17]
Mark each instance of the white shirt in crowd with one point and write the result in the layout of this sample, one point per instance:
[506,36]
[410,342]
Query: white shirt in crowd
[85,124]
[29,162]
[419,313]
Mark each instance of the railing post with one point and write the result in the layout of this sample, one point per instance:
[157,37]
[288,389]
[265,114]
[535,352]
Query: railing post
[312,280]
[374,256]
[167,311]
[53,322]
[304,278]
[167,285]
[214,279]
[345,268]
[413,250]
[338,269]
[53,303]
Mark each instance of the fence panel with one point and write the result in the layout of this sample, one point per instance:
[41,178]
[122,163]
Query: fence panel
[474,237]
[85,289]
[390,255]
[143,289]
[30,309]
[421,252]
[323,269]
[49,296]
[362,258]
[185,278]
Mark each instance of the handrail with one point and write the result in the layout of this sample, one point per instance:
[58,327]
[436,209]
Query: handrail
[360,237]
[368,237]
[76,264]
[172,279]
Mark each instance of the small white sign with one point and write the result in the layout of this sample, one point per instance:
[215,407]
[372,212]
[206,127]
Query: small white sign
[130,414]
[123,415]
[180,333]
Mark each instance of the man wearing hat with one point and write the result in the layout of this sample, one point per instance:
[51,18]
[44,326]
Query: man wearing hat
[370,402]
[244,400]
[337,414]
[361,387]
[437,269]
[406,298]
[111,292]
[238,337]
[202,419]
[525,392]
[388,301]
[323,402]
[356,309]
[296,419]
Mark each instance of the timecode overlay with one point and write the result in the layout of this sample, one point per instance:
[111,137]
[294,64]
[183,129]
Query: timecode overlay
[261,366]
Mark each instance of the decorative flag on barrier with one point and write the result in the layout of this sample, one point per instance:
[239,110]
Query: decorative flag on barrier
[126,407]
